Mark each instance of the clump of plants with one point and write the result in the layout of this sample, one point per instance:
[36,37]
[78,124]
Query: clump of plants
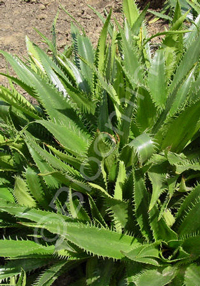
[101,177]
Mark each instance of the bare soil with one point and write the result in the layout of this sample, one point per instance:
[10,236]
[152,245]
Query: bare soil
[18,18]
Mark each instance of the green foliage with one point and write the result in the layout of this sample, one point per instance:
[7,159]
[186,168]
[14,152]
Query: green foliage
[190,7]
[101,176]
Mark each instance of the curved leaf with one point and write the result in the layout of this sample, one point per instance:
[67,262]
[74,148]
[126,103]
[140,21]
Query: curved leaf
[141,148]
[69,136]
[22,193]
[156,277]
[16,100]
[24,248]
[97,241]
[148,254]
[50,275]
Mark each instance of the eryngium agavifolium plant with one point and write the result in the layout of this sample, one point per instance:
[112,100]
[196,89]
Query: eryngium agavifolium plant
[100,179]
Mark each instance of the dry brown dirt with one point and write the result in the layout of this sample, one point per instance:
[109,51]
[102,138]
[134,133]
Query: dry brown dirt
[18,18]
